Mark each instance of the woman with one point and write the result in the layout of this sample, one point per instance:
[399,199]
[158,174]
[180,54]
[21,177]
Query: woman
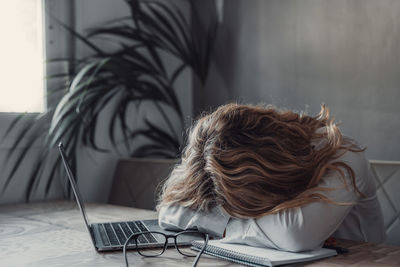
[272,178]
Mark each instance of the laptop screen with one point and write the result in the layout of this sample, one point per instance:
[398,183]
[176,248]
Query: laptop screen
[74,186]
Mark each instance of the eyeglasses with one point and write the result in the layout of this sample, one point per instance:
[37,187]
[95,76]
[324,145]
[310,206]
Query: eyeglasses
[184,237]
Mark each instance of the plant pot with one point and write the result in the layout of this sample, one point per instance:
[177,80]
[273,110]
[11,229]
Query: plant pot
[137,181]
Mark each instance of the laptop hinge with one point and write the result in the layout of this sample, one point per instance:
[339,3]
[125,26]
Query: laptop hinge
[94,237]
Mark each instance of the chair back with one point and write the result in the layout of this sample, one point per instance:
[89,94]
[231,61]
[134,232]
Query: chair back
[388,191]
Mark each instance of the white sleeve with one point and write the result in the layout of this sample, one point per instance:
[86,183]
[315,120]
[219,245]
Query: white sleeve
[297,229]
[180,218]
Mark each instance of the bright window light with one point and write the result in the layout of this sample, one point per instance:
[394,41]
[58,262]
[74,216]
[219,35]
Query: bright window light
[21,56]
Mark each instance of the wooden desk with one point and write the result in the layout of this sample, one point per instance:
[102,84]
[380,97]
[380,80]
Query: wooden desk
[53,234]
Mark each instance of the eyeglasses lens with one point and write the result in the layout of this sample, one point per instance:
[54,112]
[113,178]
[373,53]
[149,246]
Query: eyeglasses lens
[151,238]
[186,239]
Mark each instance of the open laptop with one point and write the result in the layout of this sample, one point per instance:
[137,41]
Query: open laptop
[109,236]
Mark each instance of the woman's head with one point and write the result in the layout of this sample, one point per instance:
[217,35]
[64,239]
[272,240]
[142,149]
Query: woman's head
[254,160]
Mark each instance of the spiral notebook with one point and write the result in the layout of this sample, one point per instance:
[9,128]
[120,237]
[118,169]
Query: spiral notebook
[255,256]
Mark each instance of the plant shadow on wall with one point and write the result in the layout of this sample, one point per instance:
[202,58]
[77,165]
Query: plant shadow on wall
[124,80]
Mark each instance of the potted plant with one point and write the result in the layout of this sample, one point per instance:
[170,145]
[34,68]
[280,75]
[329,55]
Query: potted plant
[132,77]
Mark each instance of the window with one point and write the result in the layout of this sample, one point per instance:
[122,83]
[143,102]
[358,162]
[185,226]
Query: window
[22,86]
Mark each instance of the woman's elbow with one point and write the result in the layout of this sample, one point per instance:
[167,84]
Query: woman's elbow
[167,225]
[167,218]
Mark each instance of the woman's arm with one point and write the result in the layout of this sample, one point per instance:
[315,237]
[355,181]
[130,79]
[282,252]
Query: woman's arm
[306,227]
[180,218]
[295,229]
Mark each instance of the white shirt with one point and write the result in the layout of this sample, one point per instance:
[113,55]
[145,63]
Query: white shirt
[297,229]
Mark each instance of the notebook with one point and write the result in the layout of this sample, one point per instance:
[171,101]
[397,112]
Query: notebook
[255,256]
[108,236]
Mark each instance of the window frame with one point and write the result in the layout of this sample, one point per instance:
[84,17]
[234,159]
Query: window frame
[57,44]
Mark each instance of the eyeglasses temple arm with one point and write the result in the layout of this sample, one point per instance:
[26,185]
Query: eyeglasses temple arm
[126,245]
[196,260]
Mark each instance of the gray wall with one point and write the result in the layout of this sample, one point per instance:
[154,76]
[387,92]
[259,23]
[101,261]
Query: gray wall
[300,53]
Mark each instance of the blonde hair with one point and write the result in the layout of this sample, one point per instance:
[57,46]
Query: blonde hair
[256,160]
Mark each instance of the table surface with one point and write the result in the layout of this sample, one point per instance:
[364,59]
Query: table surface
[53,234]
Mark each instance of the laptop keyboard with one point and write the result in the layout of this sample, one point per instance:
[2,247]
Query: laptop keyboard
[114,234]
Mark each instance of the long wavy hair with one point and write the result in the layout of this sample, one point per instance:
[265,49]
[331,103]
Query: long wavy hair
[257,160]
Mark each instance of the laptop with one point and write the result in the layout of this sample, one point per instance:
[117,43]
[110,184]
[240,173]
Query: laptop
[109,236]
